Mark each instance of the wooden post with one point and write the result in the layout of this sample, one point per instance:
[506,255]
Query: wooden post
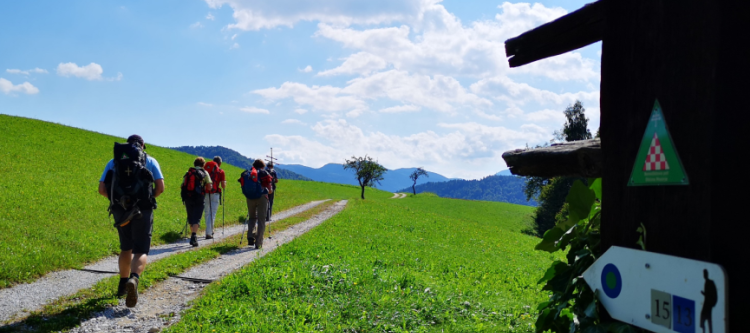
[694,57]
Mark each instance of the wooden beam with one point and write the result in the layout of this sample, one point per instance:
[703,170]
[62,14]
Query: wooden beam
[578,158]
[575,30]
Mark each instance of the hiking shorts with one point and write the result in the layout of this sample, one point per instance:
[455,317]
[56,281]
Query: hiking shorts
[194,212]
[136,235]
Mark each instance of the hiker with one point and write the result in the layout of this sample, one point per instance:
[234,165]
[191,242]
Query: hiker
[271,195]
[134,224]
[256,185]
[213,197]
[195,184]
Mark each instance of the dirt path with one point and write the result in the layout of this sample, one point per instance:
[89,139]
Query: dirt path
[163,304]
[16,302]
[398,196]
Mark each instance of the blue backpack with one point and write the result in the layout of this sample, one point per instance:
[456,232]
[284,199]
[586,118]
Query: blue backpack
[251,186]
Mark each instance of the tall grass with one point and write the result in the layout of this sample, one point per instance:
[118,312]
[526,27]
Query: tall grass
[52,216]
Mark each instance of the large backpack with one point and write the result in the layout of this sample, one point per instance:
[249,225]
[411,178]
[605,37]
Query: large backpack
[129,184]
[192,190]
[213,171]
[251,185]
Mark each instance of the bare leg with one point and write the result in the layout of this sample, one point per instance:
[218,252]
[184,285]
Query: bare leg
[126,257]
[194,228]
[139,263]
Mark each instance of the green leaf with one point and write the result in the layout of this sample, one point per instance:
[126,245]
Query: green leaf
[591,310]
[620,327]
[596,186]
[567,237]
[595,329]
[549,240]
[580,198]
[556,266]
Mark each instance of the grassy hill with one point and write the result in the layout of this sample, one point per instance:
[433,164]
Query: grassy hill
[53,218]
[419,264]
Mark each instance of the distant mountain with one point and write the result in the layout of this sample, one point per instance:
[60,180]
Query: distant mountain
[234,158]
[492,188]
[505,172]
[335,173]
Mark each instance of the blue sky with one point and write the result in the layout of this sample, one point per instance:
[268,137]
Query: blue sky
[409,82]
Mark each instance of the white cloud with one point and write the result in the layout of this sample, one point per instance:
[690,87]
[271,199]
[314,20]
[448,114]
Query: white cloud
[441,93]
[92,71]
[208,105]
[234,36]
[555,116]
[361,63]
[196,25]
[516,94]
[401,108]
[307,69]
[325,98]
[261,14]
[27,72]
[210,17]
[234,46]
[293,121]
[439,43]
[8,87]
[252,109]
[472,143]
[300,111]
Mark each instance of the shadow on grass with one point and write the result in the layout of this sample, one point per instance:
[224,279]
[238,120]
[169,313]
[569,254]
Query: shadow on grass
[170,237]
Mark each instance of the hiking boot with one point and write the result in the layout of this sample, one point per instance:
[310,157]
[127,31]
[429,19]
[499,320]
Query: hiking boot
[121,288]
[131,288]
[194,241]
[209,237]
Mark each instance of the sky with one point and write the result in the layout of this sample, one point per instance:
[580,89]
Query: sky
[412,83]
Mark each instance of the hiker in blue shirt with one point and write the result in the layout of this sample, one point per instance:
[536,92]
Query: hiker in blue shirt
[135,235]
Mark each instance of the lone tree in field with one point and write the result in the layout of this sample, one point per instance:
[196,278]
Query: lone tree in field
[415,175]
[367,171]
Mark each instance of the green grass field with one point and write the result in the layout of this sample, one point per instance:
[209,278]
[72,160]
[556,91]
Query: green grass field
[52,217]
[420,264]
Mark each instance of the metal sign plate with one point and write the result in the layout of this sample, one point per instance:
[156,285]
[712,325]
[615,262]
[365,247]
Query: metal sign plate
[657,162]
[660,293]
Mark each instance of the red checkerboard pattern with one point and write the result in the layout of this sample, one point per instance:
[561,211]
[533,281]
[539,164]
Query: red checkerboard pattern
[655,160]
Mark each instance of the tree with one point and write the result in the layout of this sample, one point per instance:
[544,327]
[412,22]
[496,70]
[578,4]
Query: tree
[415,175]
[367,171]
[576,124]
[551,193]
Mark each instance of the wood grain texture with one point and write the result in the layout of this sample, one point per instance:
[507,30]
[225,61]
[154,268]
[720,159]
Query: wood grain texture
[579,159]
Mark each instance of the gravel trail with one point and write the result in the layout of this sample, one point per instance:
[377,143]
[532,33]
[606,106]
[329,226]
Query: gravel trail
[17,301]
[398,196]
[162,305]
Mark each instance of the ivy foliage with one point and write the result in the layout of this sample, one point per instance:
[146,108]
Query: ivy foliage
[573,306]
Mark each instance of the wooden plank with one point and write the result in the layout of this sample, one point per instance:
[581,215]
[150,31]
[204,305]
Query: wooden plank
[579,158]
[575,30]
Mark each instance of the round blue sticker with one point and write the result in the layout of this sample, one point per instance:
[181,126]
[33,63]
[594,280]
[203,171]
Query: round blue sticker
[611,281]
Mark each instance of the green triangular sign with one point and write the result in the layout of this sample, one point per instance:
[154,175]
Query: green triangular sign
[657,162]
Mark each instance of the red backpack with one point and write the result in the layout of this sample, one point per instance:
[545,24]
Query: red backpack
[213,171]
[192,190]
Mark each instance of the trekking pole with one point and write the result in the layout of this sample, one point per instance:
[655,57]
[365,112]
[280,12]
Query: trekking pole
[211,214]
[223,204]
[247,222]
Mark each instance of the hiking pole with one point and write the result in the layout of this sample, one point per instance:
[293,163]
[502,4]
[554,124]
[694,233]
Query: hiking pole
[223,204]
[247,222]
[211,214]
